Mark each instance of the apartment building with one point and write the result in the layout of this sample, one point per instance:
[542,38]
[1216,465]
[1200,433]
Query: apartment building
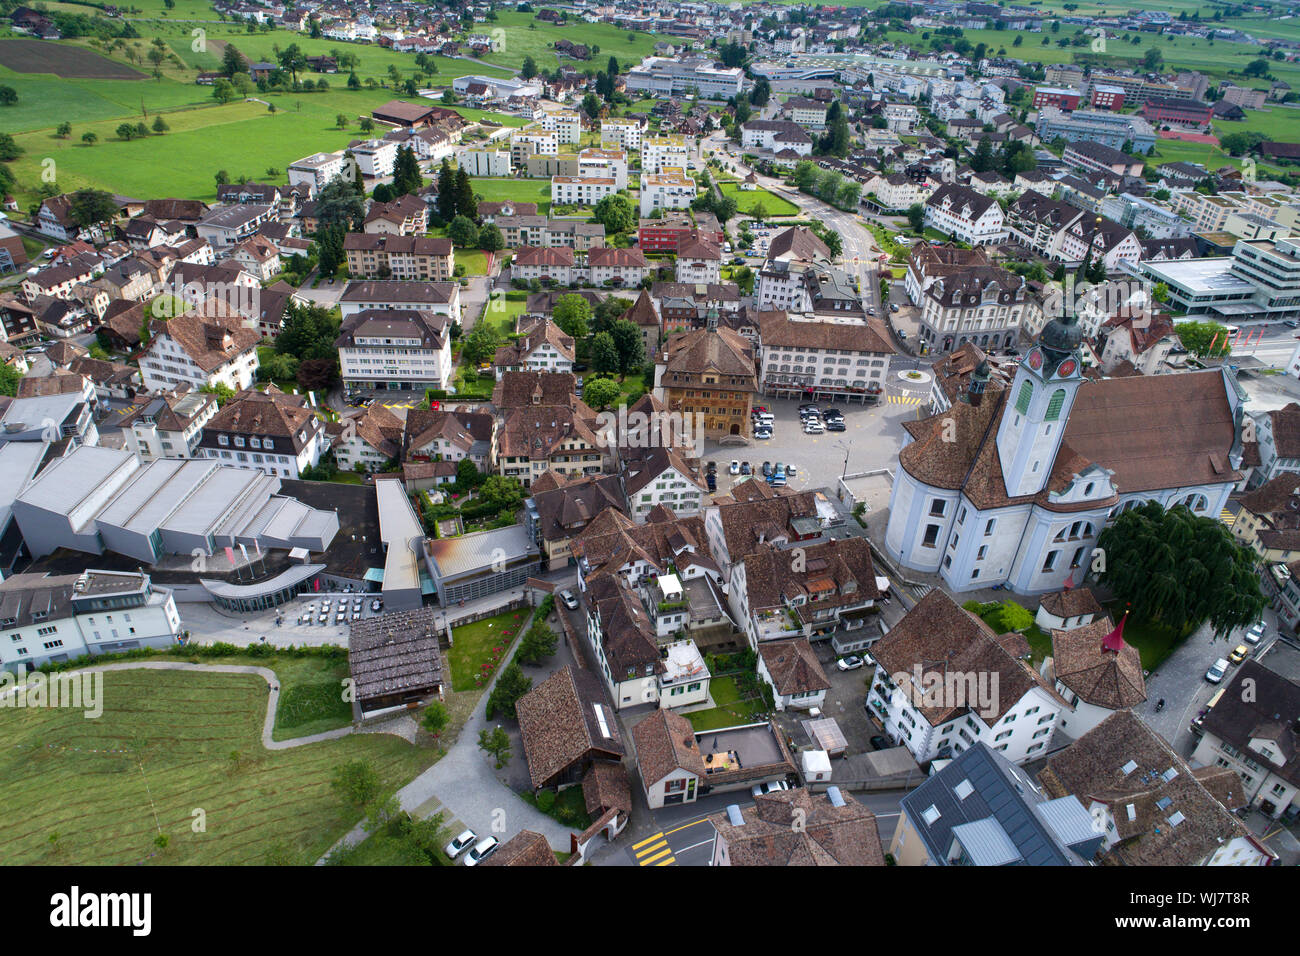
[963,213]
[670,190]
[485,162]
[550,233]
[51,618]
[394,350]
[829,358]
[664,77]
[565,124]
[949,659]
[203,347]
[622,134]
[268,431]
[418,258]
[664,152]
[982,305]
[581,190]
[169,424]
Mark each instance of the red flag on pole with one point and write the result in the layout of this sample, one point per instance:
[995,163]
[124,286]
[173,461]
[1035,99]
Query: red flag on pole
[1114,641]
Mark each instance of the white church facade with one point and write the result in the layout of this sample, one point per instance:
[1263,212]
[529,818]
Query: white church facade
[1013,484]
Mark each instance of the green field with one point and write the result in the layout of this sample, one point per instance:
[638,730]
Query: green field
[515,190]
[746,201]
[167,745]
[243,138]
[478,648]
[520,42]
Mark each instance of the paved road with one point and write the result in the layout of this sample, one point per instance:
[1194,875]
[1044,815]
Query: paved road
[464,784]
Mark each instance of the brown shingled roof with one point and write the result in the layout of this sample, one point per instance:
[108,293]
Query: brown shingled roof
[1101,677]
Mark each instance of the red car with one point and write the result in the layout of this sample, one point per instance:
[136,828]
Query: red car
[760,408]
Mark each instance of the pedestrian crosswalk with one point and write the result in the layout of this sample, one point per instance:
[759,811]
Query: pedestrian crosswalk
[907,399]
[1228,517]
[919,590]
[653,851]
[407,404]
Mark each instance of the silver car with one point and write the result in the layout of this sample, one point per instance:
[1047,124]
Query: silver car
[459,845]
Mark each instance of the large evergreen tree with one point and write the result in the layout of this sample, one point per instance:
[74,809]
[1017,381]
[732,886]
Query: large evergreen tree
[446,192]
[406,173]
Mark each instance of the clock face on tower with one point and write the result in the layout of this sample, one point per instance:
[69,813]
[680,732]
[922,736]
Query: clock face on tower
[1035,360]
[1066,368]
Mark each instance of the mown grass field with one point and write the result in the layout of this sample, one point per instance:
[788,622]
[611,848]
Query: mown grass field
[243,138]
[515,190]
[520,42]
[748,200]
[161,751]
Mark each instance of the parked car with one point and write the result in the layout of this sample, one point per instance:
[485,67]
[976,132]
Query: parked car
[893,307]
[745,469]
[1256,633]
[835,425]
[902,334]
[569,599]
[789,471]
[813,427]
[481,851]
[762,433]
[1216,671]
[1291,323]
[850,663]
[711,481]
[879,743]
[1239,654]
[459,845]
[735,467]
[807,405]
[772,786]
[767,469]
[831,414]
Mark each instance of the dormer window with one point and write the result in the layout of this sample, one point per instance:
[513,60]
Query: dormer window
[223,440]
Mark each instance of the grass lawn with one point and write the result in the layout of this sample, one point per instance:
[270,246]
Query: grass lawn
[500,312]
[474,261]
[162,750]
[748,201]
[731,709]
[479,647]
[515,190]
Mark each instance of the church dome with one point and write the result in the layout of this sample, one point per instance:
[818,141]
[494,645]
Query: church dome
[1062,335]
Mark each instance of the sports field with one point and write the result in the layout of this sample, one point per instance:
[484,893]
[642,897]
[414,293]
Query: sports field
[172,748]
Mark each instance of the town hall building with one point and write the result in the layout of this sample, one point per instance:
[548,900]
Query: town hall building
[1014,482]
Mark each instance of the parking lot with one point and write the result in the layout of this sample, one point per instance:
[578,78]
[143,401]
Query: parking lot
[871,440]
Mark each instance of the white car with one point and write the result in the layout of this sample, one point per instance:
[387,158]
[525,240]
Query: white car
[850,663]
[813,427]
[481,851]
[734,468]
[570,601]
[459,845]
[1217,670]
[1256,632]
[759,789]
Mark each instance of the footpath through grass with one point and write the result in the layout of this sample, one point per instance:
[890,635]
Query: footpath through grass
[172,749]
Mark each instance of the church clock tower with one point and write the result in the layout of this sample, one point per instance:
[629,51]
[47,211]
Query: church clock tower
[1038,406]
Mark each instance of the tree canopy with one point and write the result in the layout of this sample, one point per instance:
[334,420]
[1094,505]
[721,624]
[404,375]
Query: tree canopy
[1180,569]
